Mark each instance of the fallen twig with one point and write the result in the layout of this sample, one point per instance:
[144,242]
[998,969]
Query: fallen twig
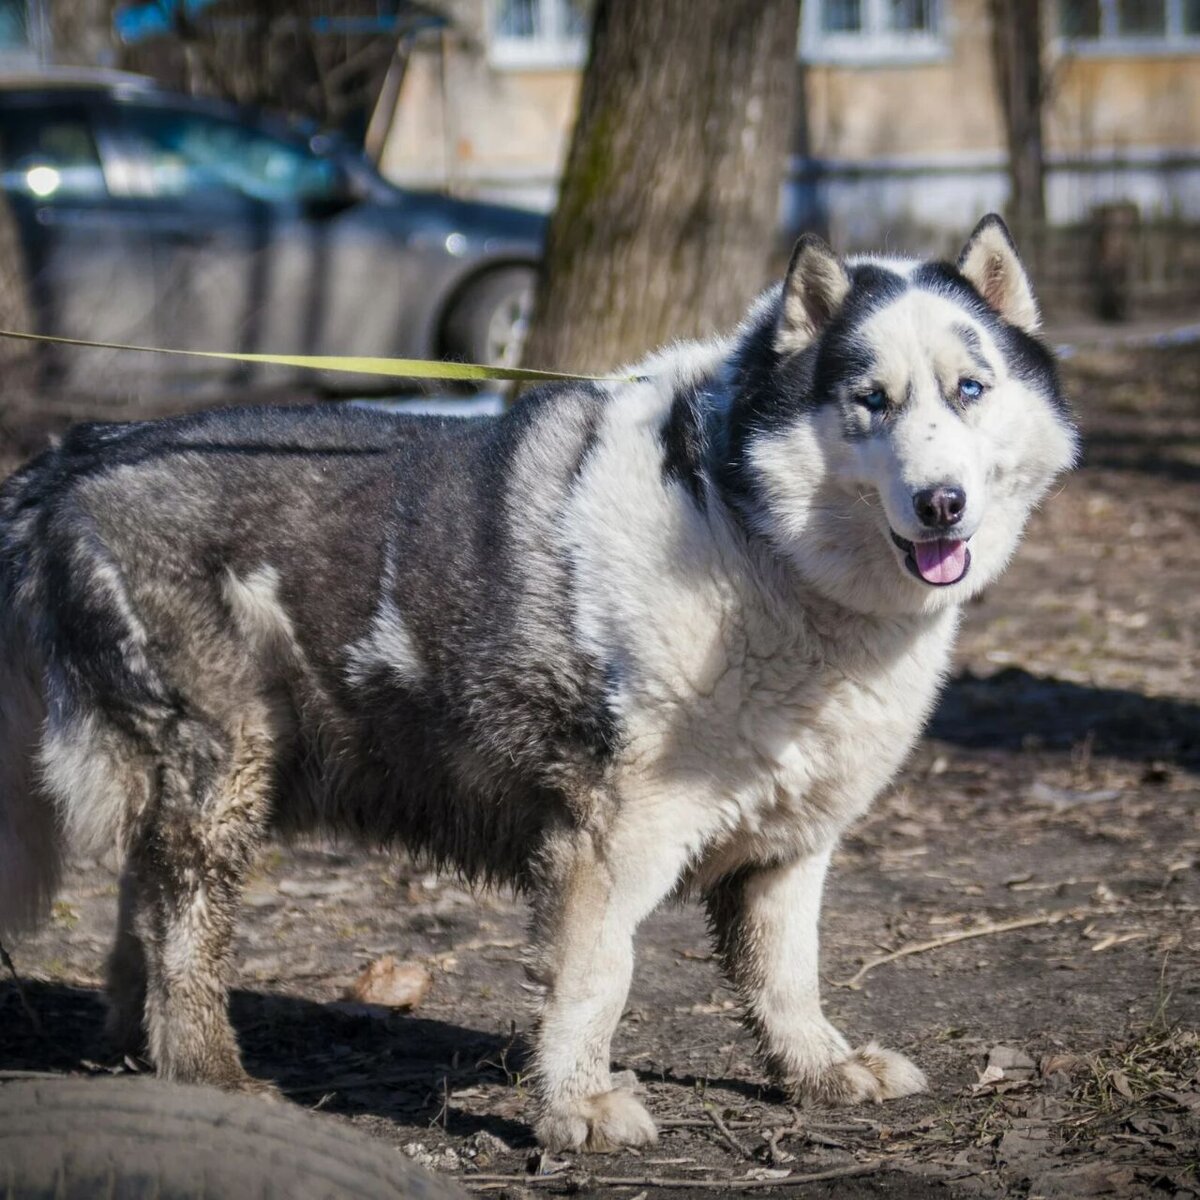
[715,1120]
[443,1114]
[777,1156]
[487,1183]
[962,935]
[816,1137]
[854,1125]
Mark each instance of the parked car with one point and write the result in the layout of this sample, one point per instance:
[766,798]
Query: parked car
[135,214]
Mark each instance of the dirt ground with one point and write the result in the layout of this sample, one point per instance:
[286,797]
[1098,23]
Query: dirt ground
[1020,913]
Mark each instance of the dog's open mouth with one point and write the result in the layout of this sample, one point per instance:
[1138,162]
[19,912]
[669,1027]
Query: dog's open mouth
[938,561]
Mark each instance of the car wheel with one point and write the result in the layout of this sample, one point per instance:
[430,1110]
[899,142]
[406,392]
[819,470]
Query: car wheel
[71,1137]
[490,319]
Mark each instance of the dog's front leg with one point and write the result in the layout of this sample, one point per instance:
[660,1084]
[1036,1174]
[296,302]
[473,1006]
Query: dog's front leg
[596,890]
[765,925]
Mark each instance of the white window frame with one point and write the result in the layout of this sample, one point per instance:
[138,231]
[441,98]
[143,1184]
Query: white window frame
[1112,43]
[875,45]
[553,49]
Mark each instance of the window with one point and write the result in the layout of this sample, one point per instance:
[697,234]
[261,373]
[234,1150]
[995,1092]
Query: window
[182,153]
[1129,26]
[539,33]
[872,31]
[49,155]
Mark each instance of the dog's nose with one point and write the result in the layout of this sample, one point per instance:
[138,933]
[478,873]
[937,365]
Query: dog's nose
[940,507]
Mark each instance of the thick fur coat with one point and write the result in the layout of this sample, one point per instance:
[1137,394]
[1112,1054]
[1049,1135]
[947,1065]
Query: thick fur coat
[625,641]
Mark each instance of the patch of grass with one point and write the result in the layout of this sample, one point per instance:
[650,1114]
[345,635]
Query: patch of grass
[1134,1072]
[1162,1057]
[950,1033]
[988,1125]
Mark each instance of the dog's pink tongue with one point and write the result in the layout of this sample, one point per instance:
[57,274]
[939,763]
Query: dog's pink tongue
[941,561]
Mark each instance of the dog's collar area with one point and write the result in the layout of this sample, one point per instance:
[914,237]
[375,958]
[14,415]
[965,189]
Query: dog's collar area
[909,551]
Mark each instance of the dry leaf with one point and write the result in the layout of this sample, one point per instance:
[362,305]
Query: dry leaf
[1067,1064]
[1120,1081]
[392,984]
[1007,1068]
[1013,1063]
[989,1076]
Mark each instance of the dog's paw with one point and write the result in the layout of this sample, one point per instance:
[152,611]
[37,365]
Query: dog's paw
[605,1121]
[869,1073]
[228,1079]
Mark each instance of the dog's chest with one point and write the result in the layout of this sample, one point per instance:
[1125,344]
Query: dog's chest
[750,711]
[780,740]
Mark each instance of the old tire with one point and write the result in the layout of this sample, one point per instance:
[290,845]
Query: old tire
[67,1139]
[489,319]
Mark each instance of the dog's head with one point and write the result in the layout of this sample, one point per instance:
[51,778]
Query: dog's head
[894,422]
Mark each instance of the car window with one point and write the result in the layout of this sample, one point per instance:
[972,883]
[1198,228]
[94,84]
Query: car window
[49,154]
[183,153]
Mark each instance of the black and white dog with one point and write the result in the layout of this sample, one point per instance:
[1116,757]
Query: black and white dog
[623,641]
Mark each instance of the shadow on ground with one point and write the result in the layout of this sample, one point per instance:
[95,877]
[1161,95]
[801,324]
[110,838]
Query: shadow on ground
[397,1067]
[1054,714]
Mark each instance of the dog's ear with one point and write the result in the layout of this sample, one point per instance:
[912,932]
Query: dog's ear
[989,262]
[813,291]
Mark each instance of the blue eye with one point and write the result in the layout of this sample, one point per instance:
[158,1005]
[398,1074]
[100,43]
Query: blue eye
[874,401]
[970,389]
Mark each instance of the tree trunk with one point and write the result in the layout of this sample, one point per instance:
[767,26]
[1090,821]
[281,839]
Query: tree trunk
[81,32]
[669,206]
[1017,48]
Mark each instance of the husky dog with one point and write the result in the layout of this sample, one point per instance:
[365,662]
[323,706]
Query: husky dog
[625,641]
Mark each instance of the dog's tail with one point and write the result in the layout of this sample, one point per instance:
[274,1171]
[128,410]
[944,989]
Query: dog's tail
[79,695]
[30,840]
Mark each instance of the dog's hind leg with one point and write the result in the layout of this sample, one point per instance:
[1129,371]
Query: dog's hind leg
[764,923]
[189,863]
[596,891]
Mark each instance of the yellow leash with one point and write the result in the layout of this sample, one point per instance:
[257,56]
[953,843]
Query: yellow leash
[398,368]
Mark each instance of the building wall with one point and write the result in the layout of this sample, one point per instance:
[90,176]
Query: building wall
[906,153]
[1108,105]
[914,153]
[469,126]
[1124,127]
[926,109]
